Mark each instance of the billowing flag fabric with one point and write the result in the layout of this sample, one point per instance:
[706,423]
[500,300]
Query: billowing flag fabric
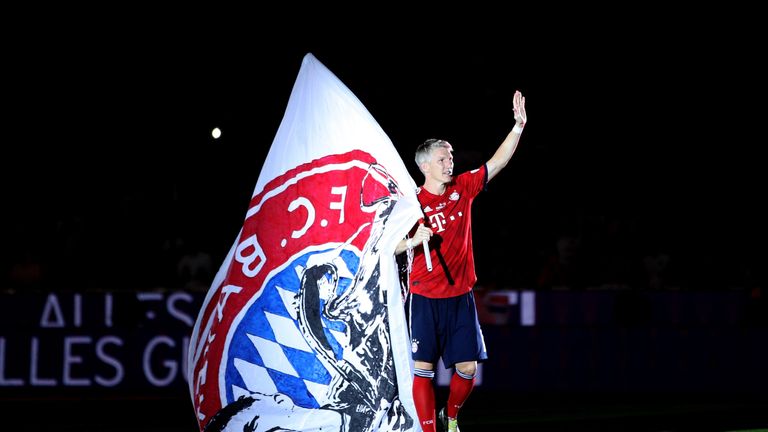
[303,327]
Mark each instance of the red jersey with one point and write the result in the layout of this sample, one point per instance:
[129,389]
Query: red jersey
[449,217]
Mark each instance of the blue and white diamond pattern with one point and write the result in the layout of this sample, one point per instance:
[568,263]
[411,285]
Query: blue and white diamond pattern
[268,353]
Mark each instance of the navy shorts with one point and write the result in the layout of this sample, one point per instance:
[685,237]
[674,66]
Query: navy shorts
[447,328]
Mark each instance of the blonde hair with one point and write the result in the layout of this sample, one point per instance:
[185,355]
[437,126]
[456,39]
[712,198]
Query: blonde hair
[424,150]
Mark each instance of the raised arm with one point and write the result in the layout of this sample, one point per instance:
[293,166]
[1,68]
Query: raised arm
[507,148]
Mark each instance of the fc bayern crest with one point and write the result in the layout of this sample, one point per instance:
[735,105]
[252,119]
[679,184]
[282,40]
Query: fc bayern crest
[297,331]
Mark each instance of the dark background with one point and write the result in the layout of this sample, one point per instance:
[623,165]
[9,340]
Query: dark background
[647,125]
[642,138]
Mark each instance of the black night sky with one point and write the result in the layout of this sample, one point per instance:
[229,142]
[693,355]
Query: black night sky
[110,136]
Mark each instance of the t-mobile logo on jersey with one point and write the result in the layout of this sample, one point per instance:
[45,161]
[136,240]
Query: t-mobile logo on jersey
[437,220]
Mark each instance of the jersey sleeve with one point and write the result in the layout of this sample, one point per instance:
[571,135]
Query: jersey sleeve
[474,181]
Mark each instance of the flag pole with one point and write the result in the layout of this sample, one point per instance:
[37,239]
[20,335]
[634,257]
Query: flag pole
[427,258]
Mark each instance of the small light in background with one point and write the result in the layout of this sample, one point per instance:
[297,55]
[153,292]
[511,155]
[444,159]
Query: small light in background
[216,133]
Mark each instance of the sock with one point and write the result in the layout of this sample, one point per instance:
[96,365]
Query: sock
[461,386]
[424,398]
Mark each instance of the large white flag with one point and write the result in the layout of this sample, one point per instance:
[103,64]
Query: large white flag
[303,327]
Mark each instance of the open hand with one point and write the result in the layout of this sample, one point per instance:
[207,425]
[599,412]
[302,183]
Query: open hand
[518,106]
